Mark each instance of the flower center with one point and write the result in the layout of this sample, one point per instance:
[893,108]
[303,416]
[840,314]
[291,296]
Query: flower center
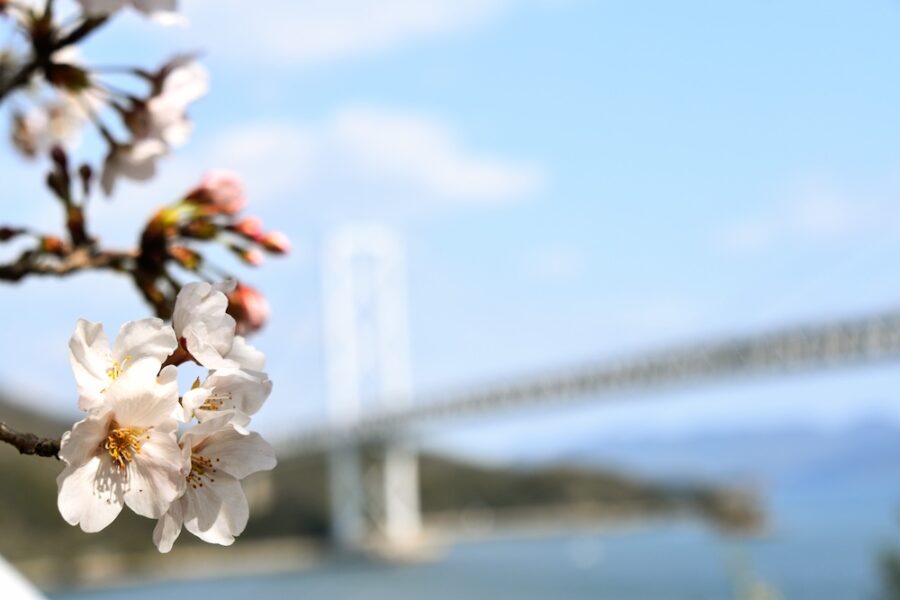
[117,369]
[201,467]
[123,443]
[216,401]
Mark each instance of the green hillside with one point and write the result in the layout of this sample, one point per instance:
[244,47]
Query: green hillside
[291,502]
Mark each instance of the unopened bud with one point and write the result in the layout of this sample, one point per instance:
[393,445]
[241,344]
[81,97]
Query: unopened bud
[251,256]
[86,174]
[276,242]
[59,157]
[249,227]
[58,184]
[53,245]
[200,229]
[221,191]
[187,258]
[248,307]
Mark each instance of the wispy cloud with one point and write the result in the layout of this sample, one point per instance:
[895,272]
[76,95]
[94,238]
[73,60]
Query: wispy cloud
[426,153]
[302,33]
[816,212]
[359,157]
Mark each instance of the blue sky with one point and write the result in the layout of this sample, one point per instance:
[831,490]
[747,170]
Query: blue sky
[573,179]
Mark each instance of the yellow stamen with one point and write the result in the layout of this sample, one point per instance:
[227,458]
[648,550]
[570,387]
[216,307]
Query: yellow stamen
[117,369]
[200,467]
[123,443]
[216,401]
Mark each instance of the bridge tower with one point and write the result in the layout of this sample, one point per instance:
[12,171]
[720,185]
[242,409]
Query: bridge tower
[367,353]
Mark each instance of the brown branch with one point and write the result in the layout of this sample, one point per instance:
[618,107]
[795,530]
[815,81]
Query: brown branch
[28,443]
[33,262]
[87,27]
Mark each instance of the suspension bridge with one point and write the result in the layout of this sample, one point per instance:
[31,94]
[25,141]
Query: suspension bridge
[367,348]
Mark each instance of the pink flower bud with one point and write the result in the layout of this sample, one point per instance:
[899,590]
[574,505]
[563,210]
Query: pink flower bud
[53,245]
[251,256]
[249,309]
[222,191]
[187,258]
[250,228]
[276,242]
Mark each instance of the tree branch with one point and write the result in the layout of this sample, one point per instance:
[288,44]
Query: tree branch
[33,262]
[28,443]
[87,27]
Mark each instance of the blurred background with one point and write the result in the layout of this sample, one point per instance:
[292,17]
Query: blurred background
[522,212]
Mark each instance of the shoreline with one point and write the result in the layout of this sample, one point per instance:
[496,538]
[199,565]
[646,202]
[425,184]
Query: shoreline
[247,558]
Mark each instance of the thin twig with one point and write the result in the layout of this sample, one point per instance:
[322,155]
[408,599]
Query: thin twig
[28,443]
[22,76]
[32,262]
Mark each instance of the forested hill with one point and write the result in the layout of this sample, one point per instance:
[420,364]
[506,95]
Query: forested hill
[291,502]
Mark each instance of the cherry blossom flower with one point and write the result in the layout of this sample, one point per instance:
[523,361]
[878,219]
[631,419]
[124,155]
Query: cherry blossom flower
[134,160]
[161,11]
[163,115]
[28,131]
[160,119]
[206,331]
[213,506]
[181,81]
[56,123]
[124,452]
[223,191]
[227,391]
[141,345]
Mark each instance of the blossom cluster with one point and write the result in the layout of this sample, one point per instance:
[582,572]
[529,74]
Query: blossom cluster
[178,459]
[140,114]
[210,213]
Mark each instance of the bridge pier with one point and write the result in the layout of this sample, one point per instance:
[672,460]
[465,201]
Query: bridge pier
[367,350]
[347,498]
[402,516]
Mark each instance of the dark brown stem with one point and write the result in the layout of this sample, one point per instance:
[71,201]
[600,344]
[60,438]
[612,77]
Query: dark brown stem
[87,27]
[28,443]
[33,262]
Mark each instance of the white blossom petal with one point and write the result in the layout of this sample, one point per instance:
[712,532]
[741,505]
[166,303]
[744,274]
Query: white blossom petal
[245,356]
[200,320]
[80,444]
[240,454]
[101,8]
[156,475]
[185,84]
[230,390]
[168,528]
[193,400]
[135,161]
[90,494]
[163,12]
[89,356]
[217,512]
[140,400]
[143,338]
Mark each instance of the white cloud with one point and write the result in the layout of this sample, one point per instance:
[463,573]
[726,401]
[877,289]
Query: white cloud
[816,212]
[301,33]
[425,152]
[367,158]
